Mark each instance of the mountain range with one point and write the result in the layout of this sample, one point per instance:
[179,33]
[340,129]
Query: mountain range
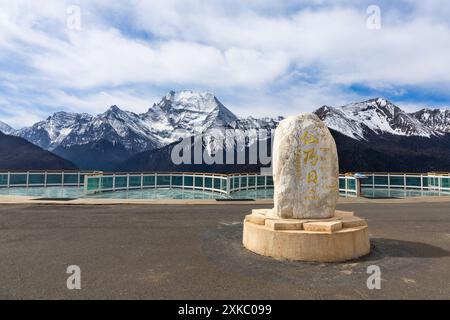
[373,135]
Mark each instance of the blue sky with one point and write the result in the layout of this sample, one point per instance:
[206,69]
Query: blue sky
[260,58]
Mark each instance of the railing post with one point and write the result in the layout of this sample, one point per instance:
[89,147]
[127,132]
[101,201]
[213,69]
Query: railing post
[346,185]
[358,188]
[9,178]
[182,181]
[28,178]
[421,184]
[229,186]
[85,191]
[440,184]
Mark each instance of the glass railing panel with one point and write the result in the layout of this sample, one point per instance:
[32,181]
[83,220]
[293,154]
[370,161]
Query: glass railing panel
[149,181]
[93,183]
[163,181]
[177,181]
[244,182]
[188,181]
[3,179]
[208,183]
[54,178]
[217,183]
[397,181]
[445,182]
[224,184]
[367,181]
[342,183]
[269,181]
[121,182]
[17,179]
[251,181]
[36,179]
[135,181]
[107,183]
[70,178]
[261,180]
[199,182]
[413,182]
[381,180]
[351,184]
[235,183]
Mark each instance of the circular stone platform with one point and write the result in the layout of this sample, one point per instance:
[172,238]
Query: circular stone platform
[341,238]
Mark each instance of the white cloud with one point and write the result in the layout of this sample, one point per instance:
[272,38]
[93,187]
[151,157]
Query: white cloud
[98,102]
[280,57]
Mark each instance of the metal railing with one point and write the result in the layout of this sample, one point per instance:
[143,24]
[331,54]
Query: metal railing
[215,183]
[28,179]
[348,185]
[95,182]
[436,182]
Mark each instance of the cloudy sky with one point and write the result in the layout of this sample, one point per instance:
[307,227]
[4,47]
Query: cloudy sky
[260,58]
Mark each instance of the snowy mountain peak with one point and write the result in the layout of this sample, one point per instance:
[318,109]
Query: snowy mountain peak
[48,134]
[375,116]
[436,119]
[189,100]
[187,110]
[6,129]
[115,113]
[114,109]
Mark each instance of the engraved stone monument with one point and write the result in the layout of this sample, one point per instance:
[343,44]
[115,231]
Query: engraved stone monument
[305,169]
[304,223]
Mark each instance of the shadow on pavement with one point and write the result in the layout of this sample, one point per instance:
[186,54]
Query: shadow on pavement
[404,249]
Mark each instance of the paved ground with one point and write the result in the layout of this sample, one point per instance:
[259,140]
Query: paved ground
[195,252]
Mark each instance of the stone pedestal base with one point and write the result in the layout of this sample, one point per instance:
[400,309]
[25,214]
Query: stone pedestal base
[341,238]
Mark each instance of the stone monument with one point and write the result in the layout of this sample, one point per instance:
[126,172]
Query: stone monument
[304,223]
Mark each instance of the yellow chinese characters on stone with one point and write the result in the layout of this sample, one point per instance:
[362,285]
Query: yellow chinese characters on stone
[313,177]
[309,139]
[311,156]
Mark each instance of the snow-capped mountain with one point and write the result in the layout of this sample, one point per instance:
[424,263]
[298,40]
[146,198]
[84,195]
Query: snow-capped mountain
[106,140]
[116,126]
[253,123]
[376,116]
[195,112]
[188,111]
[6,129]
[436,119]
[178,114]
[50,133]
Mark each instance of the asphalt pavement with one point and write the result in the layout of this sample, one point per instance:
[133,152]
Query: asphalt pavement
[195,252]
